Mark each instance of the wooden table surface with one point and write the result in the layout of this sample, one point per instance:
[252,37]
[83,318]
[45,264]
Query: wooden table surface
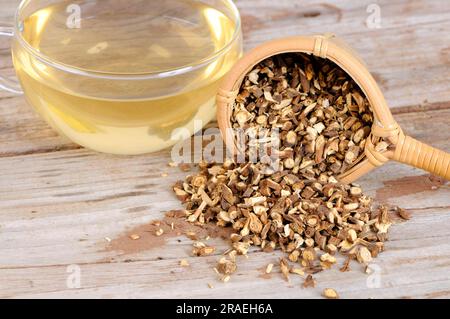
[61,204]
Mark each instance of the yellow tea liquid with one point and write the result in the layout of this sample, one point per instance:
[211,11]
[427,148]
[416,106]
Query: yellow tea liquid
[131,115]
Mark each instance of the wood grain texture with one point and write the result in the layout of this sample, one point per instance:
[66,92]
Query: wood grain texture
[59,202]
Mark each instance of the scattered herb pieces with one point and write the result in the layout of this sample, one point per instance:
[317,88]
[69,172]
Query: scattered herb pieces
[184,263]
[135,237]
[330,293]
[309,282]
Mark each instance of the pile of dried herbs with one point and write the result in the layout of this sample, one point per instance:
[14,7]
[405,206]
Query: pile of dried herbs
[322,117]
[309,219]
[301,208]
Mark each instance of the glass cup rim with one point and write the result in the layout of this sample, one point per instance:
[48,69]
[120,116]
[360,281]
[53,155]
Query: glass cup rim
[127,76]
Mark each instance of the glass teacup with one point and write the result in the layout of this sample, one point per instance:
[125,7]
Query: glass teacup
[120,76]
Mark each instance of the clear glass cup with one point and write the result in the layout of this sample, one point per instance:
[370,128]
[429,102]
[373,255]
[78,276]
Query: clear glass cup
[121,76]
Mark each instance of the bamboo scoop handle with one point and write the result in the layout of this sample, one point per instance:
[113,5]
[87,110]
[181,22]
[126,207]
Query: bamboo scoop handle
[420,155]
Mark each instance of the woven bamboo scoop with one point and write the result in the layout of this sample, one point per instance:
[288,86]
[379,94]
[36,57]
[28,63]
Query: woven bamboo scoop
[405,149]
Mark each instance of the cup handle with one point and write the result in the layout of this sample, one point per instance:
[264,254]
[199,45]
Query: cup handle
[7,84]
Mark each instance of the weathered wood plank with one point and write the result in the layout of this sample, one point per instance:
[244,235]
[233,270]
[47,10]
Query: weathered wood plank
[58,202]
[57,209]
[417,267]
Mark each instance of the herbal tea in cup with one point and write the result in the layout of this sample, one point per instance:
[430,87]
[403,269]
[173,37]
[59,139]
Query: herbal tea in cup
[120,76]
